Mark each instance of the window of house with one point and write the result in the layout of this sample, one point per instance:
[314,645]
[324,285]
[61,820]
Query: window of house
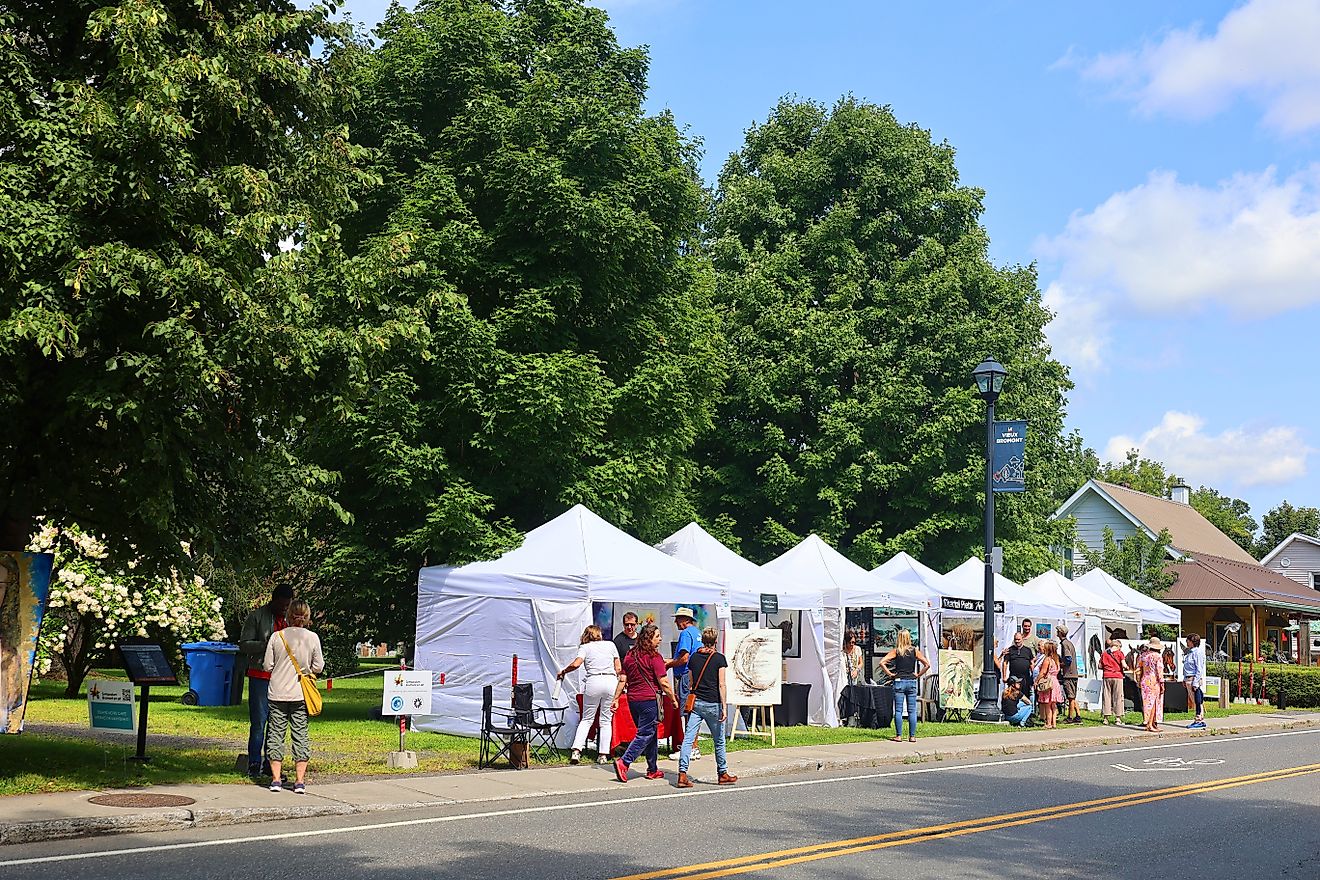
[1315,580]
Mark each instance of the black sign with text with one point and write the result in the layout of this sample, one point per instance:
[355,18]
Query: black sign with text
[769,603]
[147,664]
[950,604]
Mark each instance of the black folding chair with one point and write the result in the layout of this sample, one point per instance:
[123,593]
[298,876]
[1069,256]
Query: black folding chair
[541,722]
[498,739]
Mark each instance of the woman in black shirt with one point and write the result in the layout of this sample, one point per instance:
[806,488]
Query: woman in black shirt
[906,665]
[709,696]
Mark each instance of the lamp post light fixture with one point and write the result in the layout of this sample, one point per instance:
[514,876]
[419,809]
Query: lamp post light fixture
[990,375]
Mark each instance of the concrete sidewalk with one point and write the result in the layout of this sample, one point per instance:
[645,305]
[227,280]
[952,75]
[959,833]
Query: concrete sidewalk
[30,818]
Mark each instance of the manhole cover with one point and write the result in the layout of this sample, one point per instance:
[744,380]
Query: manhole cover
[141,800]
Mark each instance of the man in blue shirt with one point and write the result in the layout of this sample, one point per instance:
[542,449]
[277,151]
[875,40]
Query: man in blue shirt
[1194,678]
[689,640]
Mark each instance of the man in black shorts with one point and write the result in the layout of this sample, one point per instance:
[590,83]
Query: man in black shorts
[1015,662]
[1068,676]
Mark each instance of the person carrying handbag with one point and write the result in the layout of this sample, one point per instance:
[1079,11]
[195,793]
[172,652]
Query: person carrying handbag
[707,699]
[292,654]
[644,669]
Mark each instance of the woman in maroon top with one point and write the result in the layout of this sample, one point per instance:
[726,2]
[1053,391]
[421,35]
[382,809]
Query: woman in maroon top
[645,671]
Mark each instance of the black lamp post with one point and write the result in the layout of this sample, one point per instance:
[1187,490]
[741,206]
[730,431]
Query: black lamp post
[989,382]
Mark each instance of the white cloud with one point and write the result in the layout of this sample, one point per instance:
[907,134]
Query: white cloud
[1079,331]
[1241,457]
[1251,244]
[1263,51]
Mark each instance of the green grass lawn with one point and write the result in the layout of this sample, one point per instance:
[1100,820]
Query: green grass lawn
[346,741]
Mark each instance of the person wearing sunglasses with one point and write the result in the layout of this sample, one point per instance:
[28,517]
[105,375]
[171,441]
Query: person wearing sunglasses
[625,640]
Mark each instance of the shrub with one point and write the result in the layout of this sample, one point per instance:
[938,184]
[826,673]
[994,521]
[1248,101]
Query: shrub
[1300,684]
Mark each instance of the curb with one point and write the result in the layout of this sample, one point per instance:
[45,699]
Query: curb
[184,819]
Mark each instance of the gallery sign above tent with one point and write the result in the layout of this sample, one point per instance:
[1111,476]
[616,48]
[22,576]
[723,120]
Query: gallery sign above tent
[949,603]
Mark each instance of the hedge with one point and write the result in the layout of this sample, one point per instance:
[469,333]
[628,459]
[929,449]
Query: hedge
[1300,684]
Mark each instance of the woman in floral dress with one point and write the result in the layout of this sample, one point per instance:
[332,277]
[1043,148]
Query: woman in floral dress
[1049,692]
[1150,676]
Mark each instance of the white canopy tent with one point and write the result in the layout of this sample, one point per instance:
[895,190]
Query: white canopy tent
[902,575]
[968,583]
[1054,587]
[534,602]
[815,565]
[747,580]
[1152,610]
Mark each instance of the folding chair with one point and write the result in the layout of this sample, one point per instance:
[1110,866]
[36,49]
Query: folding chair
[539,721]
[496,740]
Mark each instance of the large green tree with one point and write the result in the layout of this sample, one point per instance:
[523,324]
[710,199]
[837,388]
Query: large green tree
[1139,474]
[1137,561]
[854,279]
[572,350]
[1232,516]
[1284,520]
[170,171]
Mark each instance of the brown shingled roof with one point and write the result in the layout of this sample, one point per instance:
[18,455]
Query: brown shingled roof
[1214,578]
[1192,533]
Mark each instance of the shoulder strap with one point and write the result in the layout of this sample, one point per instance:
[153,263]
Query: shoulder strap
[288,651]
[697,682]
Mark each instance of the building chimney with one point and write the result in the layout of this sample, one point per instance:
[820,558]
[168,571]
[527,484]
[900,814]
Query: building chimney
[1181,493]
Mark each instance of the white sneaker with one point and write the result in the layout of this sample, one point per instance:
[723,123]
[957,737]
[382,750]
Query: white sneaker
[696,753]
[674,755]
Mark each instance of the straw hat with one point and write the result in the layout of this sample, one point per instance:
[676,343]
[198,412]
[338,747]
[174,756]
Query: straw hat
[1155,644]
[685,612]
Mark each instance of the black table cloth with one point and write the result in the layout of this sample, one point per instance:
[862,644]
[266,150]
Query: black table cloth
[871,704]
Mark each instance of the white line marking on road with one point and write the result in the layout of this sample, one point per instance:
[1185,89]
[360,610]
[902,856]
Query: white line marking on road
[1169,764]
[613,802]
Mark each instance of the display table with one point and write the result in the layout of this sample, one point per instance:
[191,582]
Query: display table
[623,729]
[792,709]
[1175,695]
[871,704]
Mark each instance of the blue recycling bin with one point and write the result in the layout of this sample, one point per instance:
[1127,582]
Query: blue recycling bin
[210,672]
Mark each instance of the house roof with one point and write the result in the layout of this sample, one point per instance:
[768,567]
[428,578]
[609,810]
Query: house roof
[1269,557]
[1192,532]
[1209,578]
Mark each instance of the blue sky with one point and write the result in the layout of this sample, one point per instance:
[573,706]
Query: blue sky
[1159,163]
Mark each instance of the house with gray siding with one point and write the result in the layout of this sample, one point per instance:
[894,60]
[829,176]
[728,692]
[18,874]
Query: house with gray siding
[1297,558]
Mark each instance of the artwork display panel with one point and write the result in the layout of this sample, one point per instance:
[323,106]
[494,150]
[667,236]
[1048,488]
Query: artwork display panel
[756,664]
[958,679]
[789,624]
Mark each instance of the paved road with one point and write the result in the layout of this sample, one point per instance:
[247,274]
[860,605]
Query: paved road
[1221,806]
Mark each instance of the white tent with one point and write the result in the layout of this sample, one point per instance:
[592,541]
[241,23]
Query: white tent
[968,583]
[815,565]
[534,602]
[1054,587]
[1151,610]
[747,580]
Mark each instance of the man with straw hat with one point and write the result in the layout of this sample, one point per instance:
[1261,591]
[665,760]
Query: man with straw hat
[689,640]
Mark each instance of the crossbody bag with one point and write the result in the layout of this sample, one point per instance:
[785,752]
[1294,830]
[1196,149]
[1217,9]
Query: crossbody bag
[311,696]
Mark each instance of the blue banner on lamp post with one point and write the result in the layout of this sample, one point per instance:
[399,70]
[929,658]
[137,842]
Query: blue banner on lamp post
[1009,465]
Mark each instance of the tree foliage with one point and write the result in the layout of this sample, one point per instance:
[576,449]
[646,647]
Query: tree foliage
[858,295]
[1284,520]
[571,353]
[158,344]
[1137,561]
[1139,474]
[1232,516]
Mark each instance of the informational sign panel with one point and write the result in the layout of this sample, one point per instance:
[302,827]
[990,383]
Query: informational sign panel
[1008,465]
[1212,685]
[110,705]
[147,664]
[24,589]
[407,692]
[769,603]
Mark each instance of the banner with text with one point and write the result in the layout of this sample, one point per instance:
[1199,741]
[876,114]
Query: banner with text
[1008,466]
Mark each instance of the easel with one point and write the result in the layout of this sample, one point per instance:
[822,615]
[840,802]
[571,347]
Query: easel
[762,723]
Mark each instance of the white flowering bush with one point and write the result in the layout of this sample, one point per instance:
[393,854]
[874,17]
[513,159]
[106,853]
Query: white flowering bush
[95,603]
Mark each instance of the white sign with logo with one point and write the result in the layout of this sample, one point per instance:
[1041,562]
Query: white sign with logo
[110,705]
[407,692]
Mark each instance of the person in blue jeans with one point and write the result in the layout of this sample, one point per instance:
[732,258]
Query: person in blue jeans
[706,670]
[1015,707]
[644,670]
[905,665]
[257,630]
[689,640]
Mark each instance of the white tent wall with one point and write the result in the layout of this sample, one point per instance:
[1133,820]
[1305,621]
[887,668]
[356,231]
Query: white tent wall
[472,640]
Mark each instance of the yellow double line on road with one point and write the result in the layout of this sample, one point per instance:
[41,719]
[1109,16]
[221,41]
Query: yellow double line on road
[785,857]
